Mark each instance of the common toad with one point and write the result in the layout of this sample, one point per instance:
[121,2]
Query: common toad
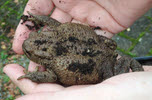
[73,54]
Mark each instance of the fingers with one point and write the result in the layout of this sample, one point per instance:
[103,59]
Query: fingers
[27,86]
[131,86]
[41,7]
[89,12]
[126,11]
[61,16]
[98,32]
[33,67]
[104,33]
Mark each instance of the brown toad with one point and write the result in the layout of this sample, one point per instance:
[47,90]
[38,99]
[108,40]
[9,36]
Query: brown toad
[73,54]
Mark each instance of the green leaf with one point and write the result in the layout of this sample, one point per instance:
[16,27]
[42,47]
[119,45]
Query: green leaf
[6,79]
[10,98]
[3,55]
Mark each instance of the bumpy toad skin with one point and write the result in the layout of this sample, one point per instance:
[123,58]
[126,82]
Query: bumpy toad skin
[73,54]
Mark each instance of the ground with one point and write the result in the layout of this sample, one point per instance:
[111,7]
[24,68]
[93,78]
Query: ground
[135,41]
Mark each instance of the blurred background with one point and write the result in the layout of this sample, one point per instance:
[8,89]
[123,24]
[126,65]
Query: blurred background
[136,41]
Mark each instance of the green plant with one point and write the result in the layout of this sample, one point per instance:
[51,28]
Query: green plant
[5,78]
[150,52]
[10,98]
[3,55]
[10,12]
[133,41]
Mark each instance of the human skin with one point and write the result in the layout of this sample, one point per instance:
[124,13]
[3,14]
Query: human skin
[130,86]
[112,16]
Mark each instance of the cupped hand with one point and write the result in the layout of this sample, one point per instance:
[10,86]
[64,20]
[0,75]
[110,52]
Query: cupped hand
[111,15]
[130,86]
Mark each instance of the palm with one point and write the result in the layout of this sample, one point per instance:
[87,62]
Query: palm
[113,87]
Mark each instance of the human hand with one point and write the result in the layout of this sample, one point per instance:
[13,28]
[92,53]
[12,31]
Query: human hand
[111,15]
[130,86]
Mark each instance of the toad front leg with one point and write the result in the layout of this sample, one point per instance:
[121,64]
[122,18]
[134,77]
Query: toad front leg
[46,20]
[125,63]
[40,77]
